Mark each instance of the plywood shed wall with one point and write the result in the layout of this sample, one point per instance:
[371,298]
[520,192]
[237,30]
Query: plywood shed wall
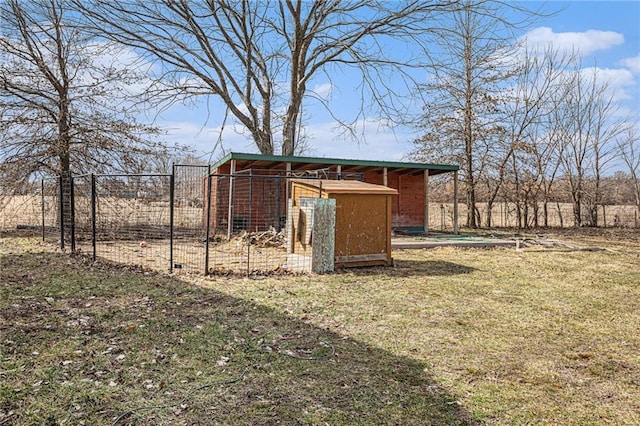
[362,222]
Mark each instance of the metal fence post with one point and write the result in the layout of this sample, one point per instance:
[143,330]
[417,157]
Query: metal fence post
[42,203]
[172,182]
[250,222]
[72,214]
[93,216]
[61,208]
[206,240]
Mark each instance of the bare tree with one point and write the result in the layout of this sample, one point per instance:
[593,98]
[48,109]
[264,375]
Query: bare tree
[62,99]
[259,57]
[592,124]
[466,94]
[533,150]
[629,147]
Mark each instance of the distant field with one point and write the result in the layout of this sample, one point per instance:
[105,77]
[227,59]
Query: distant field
[27,210]
[504,215]
[544,335]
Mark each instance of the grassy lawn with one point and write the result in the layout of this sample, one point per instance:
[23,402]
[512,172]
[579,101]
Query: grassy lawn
[447,336]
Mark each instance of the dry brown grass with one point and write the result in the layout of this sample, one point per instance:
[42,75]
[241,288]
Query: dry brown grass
[544,337]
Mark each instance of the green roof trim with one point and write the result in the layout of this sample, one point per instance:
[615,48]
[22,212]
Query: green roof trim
[332,161]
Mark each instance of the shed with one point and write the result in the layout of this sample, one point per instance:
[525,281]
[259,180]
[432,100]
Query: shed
[410,208]
[361,225]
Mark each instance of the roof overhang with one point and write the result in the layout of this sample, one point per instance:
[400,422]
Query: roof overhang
[245,161]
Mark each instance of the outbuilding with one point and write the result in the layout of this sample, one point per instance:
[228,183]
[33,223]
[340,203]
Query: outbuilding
[232,176]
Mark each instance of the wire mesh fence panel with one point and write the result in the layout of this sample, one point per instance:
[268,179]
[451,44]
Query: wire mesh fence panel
[82,214]
[247,225]
[189,219]
[34,208]
[22,210]
[50,209]
[132,220]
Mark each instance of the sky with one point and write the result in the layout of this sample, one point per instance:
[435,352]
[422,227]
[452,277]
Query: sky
[606,33]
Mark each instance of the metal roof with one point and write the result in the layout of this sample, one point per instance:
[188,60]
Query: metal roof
[260,161]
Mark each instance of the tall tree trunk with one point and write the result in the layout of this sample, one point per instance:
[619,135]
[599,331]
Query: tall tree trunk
[560,217]
[545,211]
[577,212]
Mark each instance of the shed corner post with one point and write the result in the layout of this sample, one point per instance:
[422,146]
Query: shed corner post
[385,179]
[456,229]
[426,201]
[389,201]
[287,180]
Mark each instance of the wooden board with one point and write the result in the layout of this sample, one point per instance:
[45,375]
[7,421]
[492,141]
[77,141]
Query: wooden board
[323,246]
[346,186]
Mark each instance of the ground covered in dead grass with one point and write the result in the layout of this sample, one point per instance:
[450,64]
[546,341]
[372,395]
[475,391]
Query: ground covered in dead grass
[447,336]
[88,344]
[545,335]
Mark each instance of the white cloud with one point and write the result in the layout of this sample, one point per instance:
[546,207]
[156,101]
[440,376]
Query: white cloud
[206,140]
[620,82]
[323,91]
[379,142]
[585,42]
[632,64]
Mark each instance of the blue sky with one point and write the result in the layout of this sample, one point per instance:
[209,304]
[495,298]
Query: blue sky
[607,33]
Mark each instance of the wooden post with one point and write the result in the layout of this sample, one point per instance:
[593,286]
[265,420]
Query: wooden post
[388,200]
[426,202]
[384,176]
[456,230]
[324,231]
[230,209]
[339,172]
[287,180]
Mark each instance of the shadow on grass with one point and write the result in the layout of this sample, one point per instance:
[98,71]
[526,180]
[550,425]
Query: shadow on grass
[86,343]
[408,268]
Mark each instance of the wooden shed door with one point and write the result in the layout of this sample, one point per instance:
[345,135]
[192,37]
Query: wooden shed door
[361,224]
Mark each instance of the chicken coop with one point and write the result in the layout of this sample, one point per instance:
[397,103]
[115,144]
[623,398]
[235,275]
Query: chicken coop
[349,222]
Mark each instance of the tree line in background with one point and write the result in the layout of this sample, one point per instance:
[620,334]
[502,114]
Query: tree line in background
[555,209]
[77,76]
[527,126]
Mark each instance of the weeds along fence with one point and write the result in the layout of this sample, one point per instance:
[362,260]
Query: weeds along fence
[559,215]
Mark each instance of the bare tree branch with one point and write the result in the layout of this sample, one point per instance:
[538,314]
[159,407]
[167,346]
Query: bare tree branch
[246,52]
